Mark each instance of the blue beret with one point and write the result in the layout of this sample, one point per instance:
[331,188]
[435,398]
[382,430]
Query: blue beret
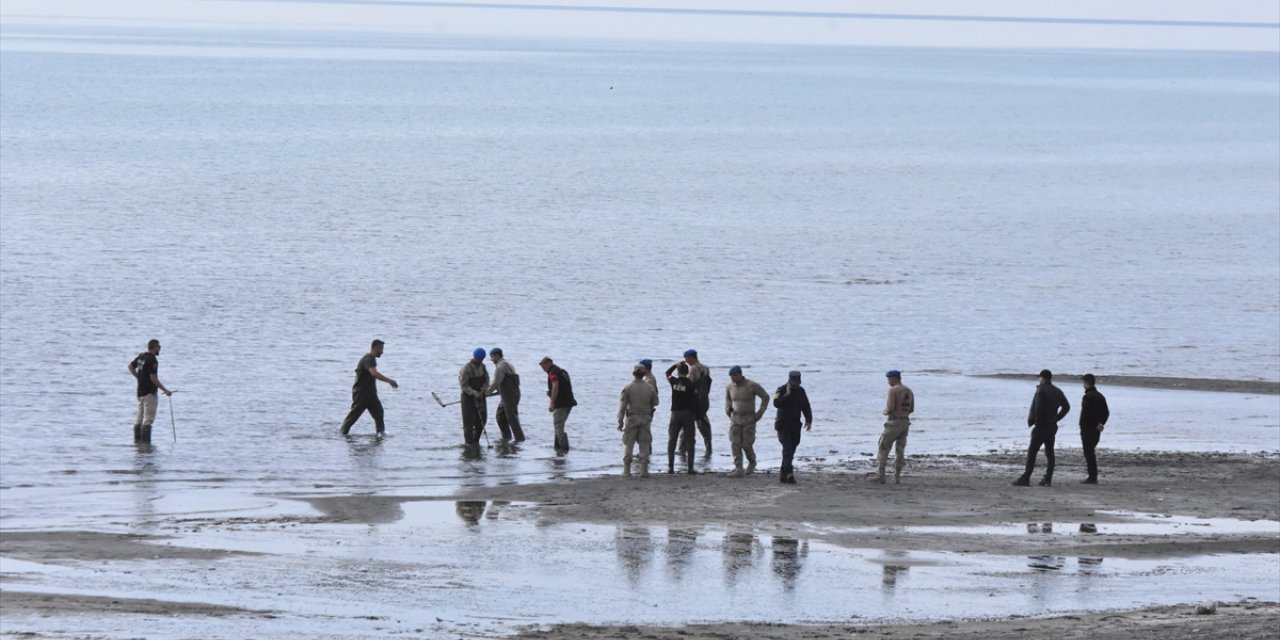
[647,362]
[735,370]
[478,354]
[691,353]
[495,351]
[893,373]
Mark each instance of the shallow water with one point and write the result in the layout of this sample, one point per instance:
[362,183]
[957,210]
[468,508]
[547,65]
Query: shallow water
[447,568]
[267,203]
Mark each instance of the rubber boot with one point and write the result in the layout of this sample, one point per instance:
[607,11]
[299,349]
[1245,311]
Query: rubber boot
[137,433]
[644,469]
[751,465]
[879,479]
[736,473]
[671,466]
[1046,481]
[566,442]
[691,471]
[1022,481]
[626,469]
[146,433]
[897,476]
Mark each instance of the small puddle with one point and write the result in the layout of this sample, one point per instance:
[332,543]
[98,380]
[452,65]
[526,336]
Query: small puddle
[1135,524]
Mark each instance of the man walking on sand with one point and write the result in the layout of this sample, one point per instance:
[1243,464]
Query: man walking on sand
[701,377]
[1047,407]
[364,393]
[561,401]
[1093,419]
[792,402]
[680,429]
[740,406]
[145,368]
[635,418]
[507,385]
[897,410]
[473,383]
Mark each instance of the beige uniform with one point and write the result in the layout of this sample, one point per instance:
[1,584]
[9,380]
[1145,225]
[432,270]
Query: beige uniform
[898,407]
[635,417]
[740,404]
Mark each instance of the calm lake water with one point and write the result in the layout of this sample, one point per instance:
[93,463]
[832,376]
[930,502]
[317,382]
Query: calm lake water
[267,203]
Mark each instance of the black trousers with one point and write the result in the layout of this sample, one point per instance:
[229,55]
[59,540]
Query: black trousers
[358,406]
[1089,441]
[1041,436]
[474,415]
[680,429]
[790,439]
[508,419]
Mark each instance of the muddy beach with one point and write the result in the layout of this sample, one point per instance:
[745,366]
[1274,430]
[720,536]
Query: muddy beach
[1153,516]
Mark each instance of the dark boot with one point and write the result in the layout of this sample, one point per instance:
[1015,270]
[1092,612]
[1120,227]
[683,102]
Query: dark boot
[1090,480]
[1046,481]
[146,433]
[137,433]
[1022,481]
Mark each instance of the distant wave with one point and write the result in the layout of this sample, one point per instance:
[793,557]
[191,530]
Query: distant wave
[825,15]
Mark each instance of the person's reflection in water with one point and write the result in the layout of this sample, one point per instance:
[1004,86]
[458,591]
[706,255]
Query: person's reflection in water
[788,559]
[471,511]
[364,452]
[145,471]
[635,548]
[495,509]
[506,448]
[1089,565]
[681,544]
[739,551]
[472,452]
[892,570]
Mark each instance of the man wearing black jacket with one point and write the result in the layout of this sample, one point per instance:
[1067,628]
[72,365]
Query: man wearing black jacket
[1047,407]
[1093,419]
[791,401]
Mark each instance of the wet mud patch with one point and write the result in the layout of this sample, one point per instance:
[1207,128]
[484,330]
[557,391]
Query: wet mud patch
[58,547]
[16,603]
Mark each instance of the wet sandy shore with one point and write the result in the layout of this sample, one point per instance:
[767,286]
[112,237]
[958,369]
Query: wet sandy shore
[1237,621]
[942,496]
[1157,505]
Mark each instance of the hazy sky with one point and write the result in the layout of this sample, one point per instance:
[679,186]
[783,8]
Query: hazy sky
[1143,24]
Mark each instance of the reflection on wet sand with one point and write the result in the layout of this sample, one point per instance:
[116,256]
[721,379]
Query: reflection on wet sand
[892,571]
[788,559]
[681,543]
[144,486]
[471,511]
[739,555]
[495,509]
[635,550]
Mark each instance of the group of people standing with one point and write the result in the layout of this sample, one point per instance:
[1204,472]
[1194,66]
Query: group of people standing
[745,404]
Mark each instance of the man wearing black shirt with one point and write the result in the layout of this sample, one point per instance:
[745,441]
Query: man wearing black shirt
[684,405]
[1047,407]
[146,369]
[1093,419]
[792,402]
[364,393]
